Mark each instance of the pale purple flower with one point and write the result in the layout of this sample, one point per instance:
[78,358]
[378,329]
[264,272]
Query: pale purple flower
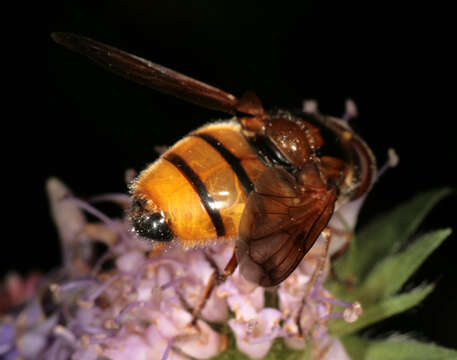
[332,349]
[255,336]
[134,302]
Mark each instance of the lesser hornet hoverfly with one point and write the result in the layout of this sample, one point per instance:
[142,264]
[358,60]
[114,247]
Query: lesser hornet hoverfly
[271,180]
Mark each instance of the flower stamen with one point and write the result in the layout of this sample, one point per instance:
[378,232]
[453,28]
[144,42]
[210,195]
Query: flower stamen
[392,161]
[99,215]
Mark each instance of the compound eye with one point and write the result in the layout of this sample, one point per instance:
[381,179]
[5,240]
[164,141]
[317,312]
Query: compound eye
[150,225]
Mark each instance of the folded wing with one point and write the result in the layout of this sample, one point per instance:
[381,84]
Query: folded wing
[280,223]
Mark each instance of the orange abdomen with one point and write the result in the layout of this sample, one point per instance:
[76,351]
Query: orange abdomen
[201,183]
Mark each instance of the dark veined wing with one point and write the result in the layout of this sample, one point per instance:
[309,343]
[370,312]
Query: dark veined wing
[279,226]
[155,76]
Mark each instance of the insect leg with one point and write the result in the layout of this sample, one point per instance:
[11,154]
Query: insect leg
[215,279]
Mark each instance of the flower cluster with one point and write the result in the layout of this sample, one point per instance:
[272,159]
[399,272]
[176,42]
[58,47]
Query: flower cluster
[116,296]
[136,301]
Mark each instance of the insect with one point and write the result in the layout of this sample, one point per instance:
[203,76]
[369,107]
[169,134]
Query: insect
[269,179]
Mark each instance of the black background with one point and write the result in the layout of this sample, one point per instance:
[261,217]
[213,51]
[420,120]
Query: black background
[393,61]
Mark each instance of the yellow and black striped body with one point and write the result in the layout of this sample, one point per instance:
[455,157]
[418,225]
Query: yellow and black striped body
[198,188]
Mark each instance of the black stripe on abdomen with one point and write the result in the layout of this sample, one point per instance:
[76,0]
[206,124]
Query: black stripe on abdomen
[200,188]
[231,159]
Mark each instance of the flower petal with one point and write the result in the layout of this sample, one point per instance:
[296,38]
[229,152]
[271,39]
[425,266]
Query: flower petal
[205,345]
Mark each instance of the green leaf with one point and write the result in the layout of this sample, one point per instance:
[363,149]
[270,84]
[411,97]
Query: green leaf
[386,234]
[380,311]
[395,349]
[390,274]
